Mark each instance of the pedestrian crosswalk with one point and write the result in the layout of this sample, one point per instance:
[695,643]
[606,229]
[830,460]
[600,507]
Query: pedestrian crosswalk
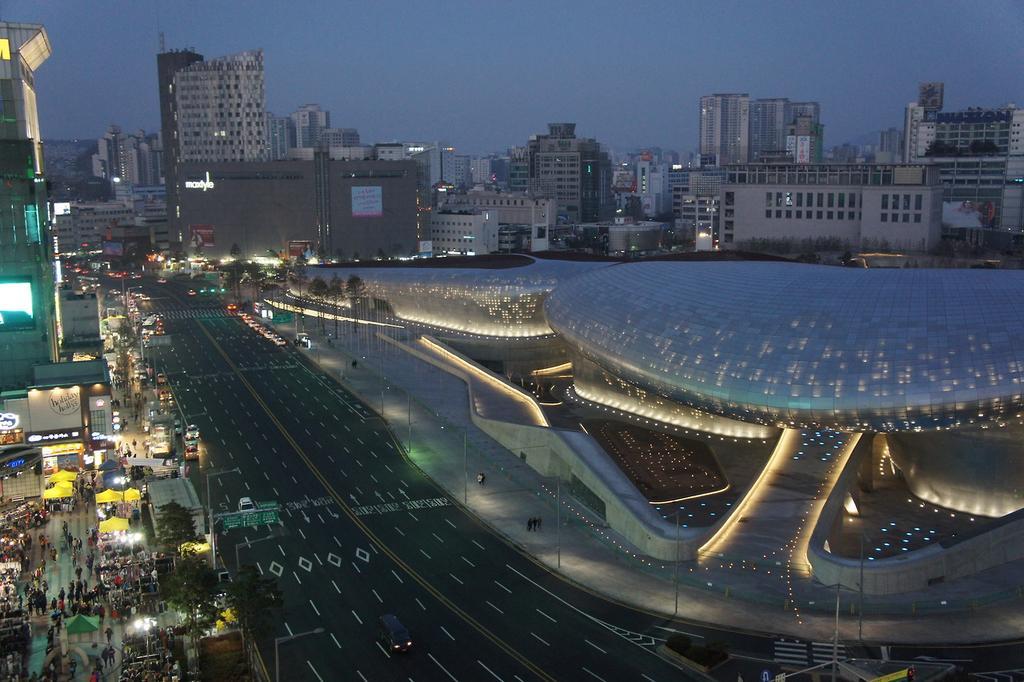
[796,653]
[193,313]
[790,652]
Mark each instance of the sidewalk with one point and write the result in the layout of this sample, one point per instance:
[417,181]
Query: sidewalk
[585,550]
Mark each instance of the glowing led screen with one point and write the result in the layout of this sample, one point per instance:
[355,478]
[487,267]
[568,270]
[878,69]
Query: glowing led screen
[16,309]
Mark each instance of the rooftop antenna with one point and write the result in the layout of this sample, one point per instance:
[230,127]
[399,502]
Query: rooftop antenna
[162,46]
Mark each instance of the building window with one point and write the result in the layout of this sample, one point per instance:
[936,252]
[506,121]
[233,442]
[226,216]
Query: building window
[829,213]
[895,217]
[819,212]
[820,199]
[799,198]
[767,214]
[730,198]
[768,198]
[789,198]
[789,214]
[885,202]
[778,198]
[906,217]
[895,201]
[799,214]
[778,214]
[917,202]
[917,217]
[853,200]
[831,199]
[842,200]
[906,203]
[885,216]
[841,215]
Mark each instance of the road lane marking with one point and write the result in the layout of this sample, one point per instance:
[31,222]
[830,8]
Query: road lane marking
[297,579]
[377,596]
[397,577]
[336,642]
[468,561]
[445,670]
[494,607]
[448,521]
[438,538]
[594,675]
[594,645]
[358,619]
[456,579]
[314,607]
[399,531]
[424,554]
[539,639]
[478,545]
[546,615]
[445,631]
[502,587]
[281,549]
[382,650]
[420,603]
[336,588]
[493,674]
[355,567]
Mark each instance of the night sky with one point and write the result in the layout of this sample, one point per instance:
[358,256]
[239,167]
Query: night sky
[485,75]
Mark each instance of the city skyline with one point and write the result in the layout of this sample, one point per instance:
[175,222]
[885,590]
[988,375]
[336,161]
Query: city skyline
[482,92]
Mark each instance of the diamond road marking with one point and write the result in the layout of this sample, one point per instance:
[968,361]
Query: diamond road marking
[305,564]
[276,568]
[362,554]
[334,559]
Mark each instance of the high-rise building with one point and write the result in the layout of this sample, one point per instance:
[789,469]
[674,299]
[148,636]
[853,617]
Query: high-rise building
[575,171]
[725,127]
[309,120]
[221,109]
[167,65]
[890,141]
[134,158]
[27,318]
[768,121]
[339,137]
[804,140]
[280,136]
[810,109]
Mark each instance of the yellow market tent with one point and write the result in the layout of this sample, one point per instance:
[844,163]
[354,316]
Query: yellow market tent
[63,475]
[109,496]
[58,491]
[132,495]
[112,524]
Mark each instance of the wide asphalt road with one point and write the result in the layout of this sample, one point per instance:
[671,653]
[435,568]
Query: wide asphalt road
[364,533]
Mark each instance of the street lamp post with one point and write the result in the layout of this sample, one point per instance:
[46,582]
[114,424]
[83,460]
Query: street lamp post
[281,640]
[209,511]
[247,544]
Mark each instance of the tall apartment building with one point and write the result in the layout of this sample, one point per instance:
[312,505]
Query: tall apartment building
[768,121]
[339,137]
[133,158]
[574,171]
[309,120]
[167,65]
[280,136]
[27,320]
[725,127]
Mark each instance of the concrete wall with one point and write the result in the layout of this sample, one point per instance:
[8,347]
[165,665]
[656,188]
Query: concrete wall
[992,545]
[564,453]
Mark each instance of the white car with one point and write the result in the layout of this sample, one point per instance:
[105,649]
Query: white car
[192,432]
[245,504]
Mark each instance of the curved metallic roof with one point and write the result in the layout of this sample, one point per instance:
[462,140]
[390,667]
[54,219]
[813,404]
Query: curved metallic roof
[779,343]
[490,302]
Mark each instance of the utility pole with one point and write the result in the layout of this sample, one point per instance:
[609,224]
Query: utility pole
[558,518]
[835,640]
[675,576]
[860,599]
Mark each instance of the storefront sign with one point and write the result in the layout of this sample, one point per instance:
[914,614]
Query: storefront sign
[204,184]
[53,436]
[55,409]
[12,437]
[8,421]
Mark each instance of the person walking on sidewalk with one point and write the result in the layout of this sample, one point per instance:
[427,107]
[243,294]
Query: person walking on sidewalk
[110,634]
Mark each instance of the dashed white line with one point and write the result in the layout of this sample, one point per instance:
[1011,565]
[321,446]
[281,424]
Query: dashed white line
[593,674]
[336,642]
[358,619]
[478,544]
[447,633]
[494,607]
[297,579]
[281,549]
[438,537]
[424,554]
[595,646]
[445,670]
[420,603]
[469,562]
[502,587]
[493,674]
[448,521]
[455,578]
[546,615]
[336,588]
[377,596]
[397,577]
[399,531]
[539,639]
[315,609]
[301,533]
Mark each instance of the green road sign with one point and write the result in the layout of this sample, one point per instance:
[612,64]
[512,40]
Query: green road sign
[248,519]
[266,505]
[282,317]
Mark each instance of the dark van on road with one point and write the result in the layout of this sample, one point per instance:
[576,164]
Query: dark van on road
[393,634]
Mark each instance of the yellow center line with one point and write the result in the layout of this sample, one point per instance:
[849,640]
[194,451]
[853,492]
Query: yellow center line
[500,643]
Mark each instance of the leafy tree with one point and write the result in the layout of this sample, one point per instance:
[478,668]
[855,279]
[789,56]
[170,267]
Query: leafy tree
[234,275]
[190,589]
[355,288]
[299,279]
[318,292]
[335,291]
[252,599]
[175,527]
[236,251]
[255,277]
